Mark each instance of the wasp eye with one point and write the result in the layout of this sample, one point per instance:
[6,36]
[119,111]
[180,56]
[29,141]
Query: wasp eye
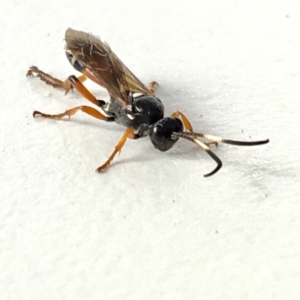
[158,135]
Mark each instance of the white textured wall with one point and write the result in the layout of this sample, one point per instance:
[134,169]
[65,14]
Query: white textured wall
[152,227]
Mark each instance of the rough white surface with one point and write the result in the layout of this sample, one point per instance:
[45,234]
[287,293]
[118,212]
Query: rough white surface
[152,227]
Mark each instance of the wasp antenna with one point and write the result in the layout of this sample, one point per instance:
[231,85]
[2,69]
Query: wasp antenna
[226,141]
[190,137]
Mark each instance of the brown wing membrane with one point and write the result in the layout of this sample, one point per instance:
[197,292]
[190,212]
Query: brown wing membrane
[101,62]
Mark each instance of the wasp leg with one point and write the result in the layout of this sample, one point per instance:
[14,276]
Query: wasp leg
[185,120]
[50,80]
[70,112]
[208,144]
[77,84]
[128,134]
[70,83]
[153,86]
[189,127]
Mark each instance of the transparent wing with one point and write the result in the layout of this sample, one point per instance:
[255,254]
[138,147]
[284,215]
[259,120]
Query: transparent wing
[102,65]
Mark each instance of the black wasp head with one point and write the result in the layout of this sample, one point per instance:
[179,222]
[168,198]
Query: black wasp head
[161,133]
[77,65]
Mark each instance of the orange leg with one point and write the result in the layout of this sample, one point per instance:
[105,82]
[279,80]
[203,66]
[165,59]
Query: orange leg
[153,86]
[70,112]
[70,83]
[48,79]
[128,134]
[185,120]
[77,84]
[188,125]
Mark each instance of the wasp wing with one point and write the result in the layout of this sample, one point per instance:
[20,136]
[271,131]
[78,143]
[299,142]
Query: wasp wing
[102,65]
[134,84]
